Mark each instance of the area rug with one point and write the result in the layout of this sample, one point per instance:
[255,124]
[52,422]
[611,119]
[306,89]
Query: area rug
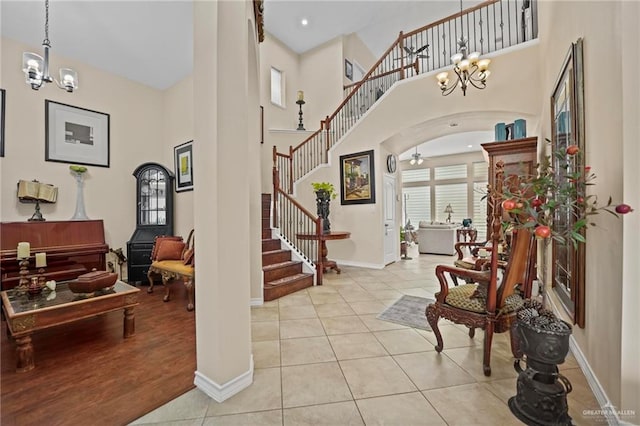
[408,310]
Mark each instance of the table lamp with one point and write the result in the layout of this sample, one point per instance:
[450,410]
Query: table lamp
[448,210]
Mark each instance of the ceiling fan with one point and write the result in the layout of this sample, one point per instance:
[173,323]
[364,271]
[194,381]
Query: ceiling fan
[412,51]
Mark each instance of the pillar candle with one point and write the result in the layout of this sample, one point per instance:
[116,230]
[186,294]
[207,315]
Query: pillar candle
[300,95]
[24,250]
[41,260]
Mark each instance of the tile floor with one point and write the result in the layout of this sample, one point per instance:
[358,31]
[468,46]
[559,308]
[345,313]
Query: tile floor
[322,358]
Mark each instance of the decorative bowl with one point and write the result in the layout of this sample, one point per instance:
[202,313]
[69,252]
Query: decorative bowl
[93,281]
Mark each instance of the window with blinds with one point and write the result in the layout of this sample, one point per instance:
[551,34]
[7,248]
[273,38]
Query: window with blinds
[454,171]
[415,175]
[276,87]
[454,194]
[480,171]
[417,204]
[480,209]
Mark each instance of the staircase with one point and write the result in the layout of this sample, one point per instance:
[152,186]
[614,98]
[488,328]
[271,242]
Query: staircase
[282,275]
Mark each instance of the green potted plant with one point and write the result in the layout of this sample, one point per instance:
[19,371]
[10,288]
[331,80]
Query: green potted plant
[325,192]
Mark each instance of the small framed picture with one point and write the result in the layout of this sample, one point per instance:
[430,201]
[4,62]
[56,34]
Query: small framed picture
[348,69]
[76,135]
[183,157]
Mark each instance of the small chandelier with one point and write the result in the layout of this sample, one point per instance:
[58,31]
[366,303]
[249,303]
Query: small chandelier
[416,158]
[36,69]
[465,66]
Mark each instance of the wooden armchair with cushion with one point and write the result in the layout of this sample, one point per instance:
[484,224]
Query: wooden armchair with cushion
[173,259]
[487,303]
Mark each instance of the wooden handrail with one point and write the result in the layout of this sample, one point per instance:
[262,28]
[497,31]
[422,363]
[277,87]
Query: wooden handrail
[300,207]
[308,139]
[366,76]
[384,74]
[451,17]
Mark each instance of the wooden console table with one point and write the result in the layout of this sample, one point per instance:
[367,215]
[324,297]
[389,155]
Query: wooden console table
[323,262]
[27,314]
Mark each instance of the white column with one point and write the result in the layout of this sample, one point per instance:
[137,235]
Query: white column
[221,198]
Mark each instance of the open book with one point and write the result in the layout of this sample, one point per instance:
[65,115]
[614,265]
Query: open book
[34,190]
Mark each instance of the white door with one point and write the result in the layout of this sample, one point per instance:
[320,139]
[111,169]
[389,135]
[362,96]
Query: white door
[391,234]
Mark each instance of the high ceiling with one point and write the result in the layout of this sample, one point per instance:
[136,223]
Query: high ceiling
[151,41]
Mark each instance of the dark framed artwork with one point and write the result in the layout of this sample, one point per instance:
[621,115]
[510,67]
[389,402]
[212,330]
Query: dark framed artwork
[357,178]
[567,128]
[2,103]
[183,158]
[76,135]
[348,69]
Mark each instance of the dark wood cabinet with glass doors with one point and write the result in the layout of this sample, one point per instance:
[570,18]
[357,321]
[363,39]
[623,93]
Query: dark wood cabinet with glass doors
[154,216]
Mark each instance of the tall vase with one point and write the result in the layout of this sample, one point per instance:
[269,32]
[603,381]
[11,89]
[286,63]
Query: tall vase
[322,201]
[80,213]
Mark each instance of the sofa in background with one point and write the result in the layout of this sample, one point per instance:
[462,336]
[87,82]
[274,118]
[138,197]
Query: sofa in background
[437,238]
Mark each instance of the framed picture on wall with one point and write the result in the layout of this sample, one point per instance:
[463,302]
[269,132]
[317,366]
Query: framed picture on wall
[76,135]
[357,178]
[348,69]
[183,158]
[2,95]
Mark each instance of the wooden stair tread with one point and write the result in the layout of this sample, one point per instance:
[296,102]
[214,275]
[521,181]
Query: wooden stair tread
[281,265]
[285,280]
[276,251]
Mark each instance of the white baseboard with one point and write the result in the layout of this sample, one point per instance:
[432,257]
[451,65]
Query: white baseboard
[225,391]
[360,264]
[257,301]
[608,410]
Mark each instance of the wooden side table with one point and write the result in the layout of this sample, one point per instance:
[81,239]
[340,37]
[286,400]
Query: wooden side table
[323,262]
[472,233]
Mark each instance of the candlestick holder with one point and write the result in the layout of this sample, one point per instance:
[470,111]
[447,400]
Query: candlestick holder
[34,286]
[300,125]
[23,283]
[41,277]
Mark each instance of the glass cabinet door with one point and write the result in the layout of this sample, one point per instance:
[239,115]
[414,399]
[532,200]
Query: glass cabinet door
[153,197]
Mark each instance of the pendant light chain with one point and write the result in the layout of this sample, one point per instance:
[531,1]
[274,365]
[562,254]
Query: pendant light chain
[46,24]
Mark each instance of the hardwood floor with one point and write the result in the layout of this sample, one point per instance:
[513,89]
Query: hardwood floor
[86,373]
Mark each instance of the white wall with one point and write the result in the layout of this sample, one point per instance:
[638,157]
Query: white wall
[388,128]
[599,23]
[177,125]
[136,135]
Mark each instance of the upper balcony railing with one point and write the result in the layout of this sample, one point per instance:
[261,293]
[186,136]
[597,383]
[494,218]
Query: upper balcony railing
[489,26]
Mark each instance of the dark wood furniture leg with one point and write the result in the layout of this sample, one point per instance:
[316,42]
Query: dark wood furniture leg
[188,283]
[24,354]
[326,263]
[129,328]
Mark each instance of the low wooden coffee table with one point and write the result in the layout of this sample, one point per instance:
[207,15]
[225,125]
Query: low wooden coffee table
[27,313]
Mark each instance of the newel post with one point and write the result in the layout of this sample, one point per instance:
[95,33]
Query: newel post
[290,189]
[319,256]
[276,185]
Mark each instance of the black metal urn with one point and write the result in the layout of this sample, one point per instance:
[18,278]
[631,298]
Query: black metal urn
[323,198]
[541,398]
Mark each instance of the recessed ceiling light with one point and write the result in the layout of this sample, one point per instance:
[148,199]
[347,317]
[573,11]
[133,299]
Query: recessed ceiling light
[304,22]
[469,146]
